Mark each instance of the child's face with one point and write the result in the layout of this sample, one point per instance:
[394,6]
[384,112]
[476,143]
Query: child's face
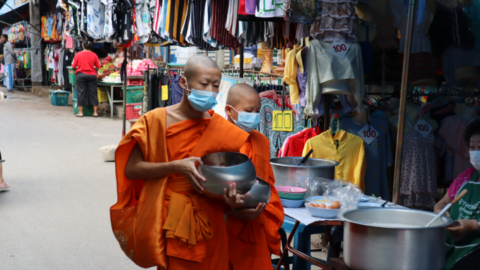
[249,103]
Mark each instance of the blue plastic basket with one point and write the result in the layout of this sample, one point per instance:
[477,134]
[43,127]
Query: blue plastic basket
[59,98]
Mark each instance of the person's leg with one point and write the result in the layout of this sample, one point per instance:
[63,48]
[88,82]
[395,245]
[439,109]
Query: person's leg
[81,92]
[469,262]
[93,96]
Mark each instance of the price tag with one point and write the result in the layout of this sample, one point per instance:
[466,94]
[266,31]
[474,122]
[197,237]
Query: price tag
[339,49]
[368,134]
[282,121]
[423,127]
[164,92]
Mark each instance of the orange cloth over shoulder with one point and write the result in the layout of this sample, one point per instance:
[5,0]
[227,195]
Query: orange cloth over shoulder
[164,222]
[251,242]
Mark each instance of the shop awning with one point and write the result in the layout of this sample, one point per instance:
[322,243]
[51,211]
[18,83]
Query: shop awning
[7,14]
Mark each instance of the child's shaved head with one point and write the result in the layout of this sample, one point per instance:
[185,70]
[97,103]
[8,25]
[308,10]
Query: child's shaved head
[243,98]
[242,91]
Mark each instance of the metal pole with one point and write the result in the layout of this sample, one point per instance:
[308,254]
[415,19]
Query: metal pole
[124,95]
[241,62]
[326,112]
[403,101]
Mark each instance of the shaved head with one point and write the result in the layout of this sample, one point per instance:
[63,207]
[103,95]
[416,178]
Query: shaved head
[241,91]
[243,98]
[197,63]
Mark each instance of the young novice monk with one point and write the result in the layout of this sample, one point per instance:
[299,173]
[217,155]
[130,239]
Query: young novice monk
[253,233]
[161,219]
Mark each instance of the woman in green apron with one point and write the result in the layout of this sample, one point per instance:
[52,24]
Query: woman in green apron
[463,238]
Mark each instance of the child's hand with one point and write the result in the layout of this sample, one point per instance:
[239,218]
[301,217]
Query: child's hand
[249,213]
[233,199]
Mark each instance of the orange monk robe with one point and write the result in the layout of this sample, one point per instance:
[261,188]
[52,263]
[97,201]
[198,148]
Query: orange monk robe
[164,222]
[252,242]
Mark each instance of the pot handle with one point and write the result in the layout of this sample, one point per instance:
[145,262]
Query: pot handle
[463,193]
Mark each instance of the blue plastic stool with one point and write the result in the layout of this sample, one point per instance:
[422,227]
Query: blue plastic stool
[301,241]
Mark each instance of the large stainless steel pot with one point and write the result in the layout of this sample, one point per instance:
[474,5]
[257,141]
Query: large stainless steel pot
[287,172]
[382,239]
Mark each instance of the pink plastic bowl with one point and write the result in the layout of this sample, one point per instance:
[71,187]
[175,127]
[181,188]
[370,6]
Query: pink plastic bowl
[288,189]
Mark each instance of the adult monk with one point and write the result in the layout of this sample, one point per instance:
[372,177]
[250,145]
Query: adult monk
[161,219]
[253,233]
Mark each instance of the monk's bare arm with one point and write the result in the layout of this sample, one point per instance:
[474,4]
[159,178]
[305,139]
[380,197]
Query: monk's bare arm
[138,168]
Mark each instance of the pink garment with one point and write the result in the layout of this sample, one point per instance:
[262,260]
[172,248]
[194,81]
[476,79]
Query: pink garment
[459,182]
[447,109]
[68,41]
[452,131]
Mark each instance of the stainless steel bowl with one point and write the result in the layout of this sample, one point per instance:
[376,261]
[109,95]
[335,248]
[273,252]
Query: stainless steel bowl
[224,168]
[287,172]
[259,193]
[396,239]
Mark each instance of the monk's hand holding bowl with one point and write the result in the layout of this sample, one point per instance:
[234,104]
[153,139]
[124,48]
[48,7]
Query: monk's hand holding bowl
[233,199]
[249,213]
[188,169]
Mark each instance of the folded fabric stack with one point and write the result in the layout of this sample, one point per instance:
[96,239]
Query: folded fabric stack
[291,197]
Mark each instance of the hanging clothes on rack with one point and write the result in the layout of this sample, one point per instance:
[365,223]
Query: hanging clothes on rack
[345,148]
[271,101]
[378,154]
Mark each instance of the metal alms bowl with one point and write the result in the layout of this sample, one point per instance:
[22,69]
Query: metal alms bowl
[259,193]
[224,168]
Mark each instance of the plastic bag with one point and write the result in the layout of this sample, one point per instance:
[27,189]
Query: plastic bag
[346,193]
[315,186]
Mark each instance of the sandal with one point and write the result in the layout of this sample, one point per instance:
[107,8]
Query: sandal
[78,115]
[4,185]
[95,115]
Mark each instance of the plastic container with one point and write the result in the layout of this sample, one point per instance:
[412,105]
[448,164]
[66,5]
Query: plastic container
[134,94]
[322,212]
[292,203]
[102,95]
[292,196]
[87,110]
[133,111]
[74,91]
[59,97]
[71,75]
[289,189]
[135,82]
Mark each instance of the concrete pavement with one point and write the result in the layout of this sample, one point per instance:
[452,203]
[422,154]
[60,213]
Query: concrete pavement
[56,215]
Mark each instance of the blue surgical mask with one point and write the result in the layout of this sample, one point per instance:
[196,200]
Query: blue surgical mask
[201,101]
[246,121]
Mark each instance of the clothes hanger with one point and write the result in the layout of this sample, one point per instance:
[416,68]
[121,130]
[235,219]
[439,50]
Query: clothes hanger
[335,123]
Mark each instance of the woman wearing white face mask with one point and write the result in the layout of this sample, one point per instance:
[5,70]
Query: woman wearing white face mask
[463,239]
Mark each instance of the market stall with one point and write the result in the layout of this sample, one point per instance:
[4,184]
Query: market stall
[392,84]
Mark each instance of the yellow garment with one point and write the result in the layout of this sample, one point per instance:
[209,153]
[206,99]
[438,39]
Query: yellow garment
[290,75]
[349,152]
